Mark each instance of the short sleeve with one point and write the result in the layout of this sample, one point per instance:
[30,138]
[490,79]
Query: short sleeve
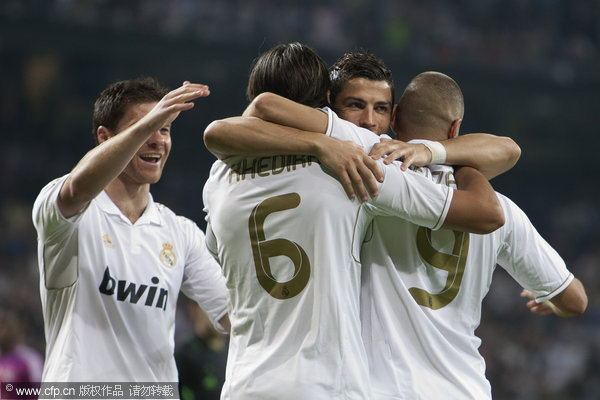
[203,280]
[530,259]
[57,236]
[411,196]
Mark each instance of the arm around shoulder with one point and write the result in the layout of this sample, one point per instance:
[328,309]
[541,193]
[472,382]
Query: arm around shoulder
[491,155]
[280,110]
[475,207]
[253,137]
[216,139]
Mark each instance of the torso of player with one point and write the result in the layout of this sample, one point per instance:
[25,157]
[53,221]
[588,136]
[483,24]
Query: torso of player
[139,265]
[118,316]
[291,264]
[426,287]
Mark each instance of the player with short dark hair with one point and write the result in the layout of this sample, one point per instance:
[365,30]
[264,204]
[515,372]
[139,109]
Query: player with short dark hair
[112,261]
[362,90]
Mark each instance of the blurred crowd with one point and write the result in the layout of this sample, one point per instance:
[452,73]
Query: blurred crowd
[534,63]
[558,39]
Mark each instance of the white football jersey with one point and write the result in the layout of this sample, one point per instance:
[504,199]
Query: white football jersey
[109,288]
[288,239]
[422,293]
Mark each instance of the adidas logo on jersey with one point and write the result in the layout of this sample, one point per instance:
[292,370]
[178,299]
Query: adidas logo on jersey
[133,291]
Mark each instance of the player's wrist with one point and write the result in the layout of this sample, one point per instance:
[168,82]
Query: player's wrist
[438,151]
[317,144]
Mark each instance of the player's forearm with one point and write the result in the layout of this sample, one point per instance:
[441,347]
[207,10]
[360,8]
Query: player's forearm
[572,301]
[280,110]
[475,207]
[99,167]
[253,137]
[105,162]
[491,155]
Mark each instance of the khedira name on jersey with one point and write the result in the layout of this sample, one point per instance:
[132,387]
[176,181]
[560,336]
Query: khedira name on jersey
[266,166]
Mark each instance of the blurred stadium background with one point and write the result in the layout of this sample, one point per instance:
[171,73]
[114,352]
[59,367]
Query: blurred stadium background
[529,69]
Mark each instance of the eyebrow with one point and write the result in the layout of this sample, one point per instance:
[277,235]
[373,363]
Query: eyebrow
[347,98]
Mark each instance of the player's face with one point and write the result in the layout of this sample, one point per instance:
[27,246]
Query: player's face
[366,103]
[147,165]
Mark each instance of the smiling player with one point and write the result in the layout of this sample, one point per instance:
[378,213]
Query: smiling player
[112,261]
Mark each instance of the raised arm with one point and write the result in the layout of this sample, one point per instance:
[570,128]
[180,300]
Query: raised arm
[105,162]
[475,207]
[491,155]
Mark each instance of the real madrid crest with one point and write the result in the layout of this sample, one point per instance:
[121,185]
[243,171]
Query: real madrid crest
[167,256]
[107,241]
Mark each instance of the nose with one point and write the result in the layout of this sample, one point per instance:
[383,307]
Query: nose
[157,139]
[368,118]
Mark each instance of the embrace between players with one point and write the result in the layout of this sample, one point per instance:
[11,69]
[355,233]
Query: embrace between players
[341,274]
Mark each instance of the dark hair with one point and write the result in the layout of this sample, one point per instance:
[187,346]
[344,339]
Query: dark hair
[290,70]
[114,100]
[358,64]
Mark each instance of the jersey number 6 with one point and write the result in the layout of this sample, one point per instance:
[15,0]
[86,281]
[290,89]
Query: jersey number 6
[263,250]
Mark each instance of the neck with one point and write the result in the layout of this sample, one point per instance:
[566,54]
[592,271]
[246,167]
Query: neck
[409,132]
[130,199]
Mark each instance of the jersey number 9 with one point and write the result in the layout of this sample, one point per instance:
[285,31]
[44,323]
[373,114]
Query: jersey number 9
[453,263]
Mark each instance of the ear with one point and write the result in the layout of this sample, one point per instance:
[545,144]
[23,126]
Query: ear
[393,124]
[329,97]
[103,134]
[454,128]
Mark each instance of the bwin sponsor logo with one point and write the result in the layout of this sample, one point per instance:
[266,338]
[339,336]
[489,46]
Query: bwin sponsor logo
[133,291]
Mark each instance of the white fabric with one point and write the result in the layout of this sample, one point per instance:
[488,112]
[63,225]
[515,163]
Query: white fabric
[417,352]
[109,288]
[438,151]
[300,339]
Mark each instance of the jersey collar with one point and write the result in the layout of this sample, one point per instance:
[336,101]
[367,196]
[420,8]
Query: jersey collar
[151,215]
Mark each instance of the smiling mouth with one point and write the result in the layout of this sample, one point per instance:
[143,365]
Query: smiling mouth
[151,158]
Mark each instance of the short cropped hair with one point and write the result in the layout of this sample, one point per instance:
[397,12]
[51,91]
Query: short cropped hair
[358,64]
[291,70]
[113,101]
[431,100]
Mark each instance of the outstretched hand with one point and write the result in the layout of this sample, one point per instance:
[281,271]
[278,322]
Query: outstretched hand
[409,153]
[173,103]
[357,172]
[545,308]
